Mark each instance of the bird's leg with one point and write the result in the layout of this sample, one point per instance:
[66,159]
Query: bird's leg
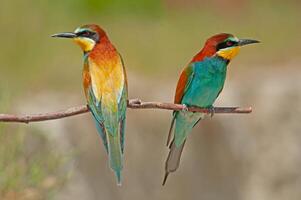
[135,101]
[211,111]
[185,108]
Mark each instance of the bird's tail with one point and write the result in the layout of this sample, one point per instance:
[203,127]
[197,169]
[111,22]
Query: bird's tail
[173,159]
[115,155]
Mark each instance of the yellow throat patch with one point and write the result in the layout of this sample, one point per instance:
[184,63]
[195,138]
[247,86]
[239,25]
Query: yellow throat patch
[228,53]
[86,44]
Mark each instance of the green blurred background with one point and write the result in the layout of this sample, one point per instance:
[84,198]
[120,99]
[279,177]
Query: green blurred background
[231,157]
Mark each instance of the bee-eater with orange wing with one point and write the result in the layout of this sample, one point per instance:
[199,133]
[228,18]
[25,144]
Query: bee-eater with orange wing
[105,87]
[200,83]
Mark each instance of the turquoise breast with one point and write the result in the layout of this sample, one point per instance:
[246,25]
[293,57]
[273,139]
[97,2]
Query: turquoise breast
[207,82]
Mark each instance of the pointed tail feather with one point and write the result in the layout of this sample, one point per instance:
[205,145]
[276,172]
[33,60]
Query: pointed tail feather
[115,155]
[170,130]
[118,177]
[173,160]
[165,178]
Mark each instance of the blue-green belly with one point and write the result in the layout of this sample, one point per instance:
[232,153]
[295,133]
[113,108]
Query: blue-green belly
[208,81]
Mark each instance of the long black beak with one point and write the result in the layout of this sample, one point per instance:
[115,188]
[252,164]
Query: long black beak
[65,35]
[243,42]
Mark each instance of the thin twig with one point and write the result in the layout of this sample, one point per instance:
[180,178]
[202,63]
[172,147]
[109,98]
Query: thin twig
[133,103]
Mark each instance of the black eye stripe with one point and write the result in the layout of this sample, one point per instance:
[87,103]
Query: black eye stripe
[226,44]
[88,34]
[85,33]
[229,43]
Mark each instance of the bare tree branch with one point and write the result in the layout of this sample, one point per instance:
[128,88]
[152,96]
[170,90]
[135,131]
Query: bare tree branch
[133,103]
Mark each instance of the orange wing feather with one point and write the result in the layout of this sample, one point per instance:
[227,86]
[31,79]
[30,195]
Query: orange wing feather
[181,87]
[183,83]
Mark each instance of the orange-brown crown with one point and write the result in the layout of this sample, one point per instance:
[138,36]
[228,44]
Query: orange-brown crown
[210,47]
[95,28]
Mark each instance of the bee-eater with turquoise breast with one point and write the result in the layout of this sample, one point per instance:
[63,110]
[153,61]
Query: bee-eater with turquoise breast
[105,86]
[199,84]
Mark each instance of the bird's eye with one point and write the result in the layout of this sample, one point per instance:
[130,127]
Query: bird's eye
[229,43]
[85,33]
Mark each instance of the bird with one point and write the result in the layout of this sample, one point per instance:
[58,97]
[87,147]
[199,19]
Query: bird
[200,83]
[105,87]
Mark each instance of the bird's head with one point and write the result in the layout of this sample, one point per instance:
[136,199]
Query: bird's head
[86,36]
[225,46]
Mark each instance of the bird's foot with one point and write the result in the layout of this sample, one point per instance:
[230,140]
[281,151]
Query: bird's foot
[211,111]
[135,101]
[185,108]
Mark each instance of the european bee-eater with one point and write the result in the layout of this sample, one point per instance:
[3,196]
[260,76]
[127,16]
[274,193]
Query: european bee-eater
[199,84]
[105,87]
